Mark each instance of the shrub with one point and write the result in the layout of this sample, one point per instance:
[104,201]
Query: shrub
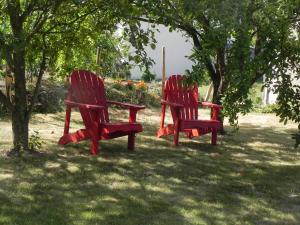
[35,142]
[130,85]
[258,100]
[50,98]
[129,91]
[272,108]
[117,84]
[141,86]
[148,76]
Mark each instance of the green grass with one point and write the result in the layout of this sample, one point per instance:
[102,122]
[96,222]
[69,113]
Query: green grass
[251,177]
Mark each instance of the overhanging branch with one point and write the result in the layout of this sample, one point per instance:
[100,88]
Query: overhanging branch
[60,24]
[38,83]
[6,51]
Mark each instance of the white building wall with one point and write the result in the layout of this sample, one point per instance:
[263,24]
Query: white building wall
[177,48]
[269,97]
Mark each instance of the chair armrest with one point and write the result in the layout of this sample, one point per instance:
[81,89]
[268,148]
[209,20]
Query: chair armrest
[82,105]
[173,104]
[210,105]
[127,105]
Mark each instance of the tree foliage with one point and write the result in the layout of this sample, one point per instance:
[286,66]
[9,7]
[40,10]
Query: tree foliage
[33,35]
[237,43]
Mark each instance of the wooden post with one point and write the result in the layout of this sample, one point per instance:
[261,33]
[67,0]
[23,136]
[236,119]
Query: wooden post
[208,93]
[98,60]
[98,56]
[163,77]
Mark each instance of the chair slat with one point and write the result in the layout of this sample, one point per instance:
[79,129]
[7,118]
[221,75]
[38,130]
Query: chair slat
[88,88]
[187,96]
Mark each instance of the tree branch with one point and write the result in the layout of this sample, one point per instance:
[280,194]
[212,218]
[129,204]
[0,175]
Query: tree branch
[7,55]
[38,83]
[38,24]
[7,103]
[71,22]
[257,51]
[28,9]
[43,17]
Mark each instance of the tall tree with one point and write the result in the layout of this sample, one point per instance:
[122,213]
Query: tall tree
[31,33]
[237,43]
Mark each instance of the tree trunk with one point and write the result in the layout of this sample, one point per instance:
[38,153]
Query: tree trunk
[20,118]
[215,74]
[216,92]
[20,130]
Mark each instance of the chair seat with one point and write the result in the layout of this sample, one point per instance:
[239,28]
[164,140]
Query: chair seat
[198,124]
[124,127]
[110,130]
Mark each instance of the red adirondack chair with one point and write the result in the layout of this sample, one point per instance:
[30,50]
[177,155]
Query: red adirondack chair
[183,102]
[87,93]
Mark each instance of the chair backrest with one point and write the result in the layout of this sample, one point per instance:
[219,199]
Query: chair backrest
[175,91]
[88,88]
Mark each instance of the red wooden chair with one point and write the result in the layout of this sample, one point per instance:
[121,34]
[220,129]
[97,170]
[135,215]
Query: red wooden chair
[183,102]
[87,93]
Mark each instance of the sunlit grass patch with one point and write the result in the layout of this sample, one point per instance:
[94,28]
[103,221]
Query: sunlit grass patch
[251,177]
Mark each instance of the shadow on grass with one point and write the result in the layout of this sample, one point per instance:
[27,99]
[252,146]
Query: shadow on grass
[254,179]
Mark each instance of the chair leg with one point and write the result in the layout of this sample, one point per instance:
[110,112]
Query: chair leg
[176,133]
[214,137]
[67,120]
[94,149]
[131,141]
[176,138]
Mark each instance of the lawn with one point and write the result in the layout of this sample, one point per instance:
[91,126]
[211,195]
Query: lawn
[251,177]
